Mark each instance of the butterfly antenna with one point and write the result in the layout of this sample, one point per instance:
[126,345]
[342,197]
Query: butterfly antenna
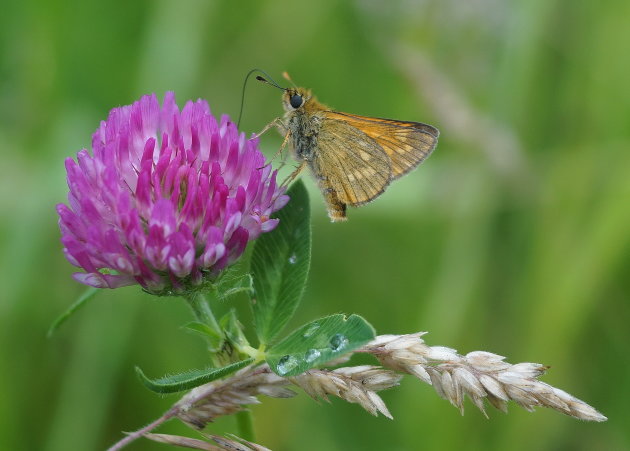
[272,83]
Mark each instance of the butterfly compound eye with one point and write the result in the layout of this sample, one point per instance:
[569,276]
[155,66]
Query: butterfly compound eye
[296,100]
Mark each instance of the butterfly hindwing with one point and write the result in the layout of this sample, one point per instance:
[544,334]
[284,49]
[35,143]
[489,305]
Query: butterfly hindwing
[407,144]
[355,166]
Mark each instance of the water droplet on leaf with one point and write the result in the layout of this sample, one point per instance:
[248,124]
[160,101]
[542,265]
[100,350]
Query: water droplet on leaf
[311,330]
[286,364]
[338,342]
[312,355]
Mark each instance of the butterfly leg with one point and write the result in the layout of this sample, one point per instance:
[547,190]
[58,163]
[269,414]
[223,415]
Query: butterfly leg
[282,146]
[294,174]
[277,122]
[279,151]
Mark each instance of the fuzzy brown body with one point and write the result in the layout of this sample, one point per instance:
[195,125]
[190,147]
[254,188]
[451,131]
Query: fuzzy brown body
[304,126]
[353,158]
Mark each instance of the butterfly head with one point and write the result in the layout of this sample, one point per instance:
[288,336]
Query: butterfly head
[295,98]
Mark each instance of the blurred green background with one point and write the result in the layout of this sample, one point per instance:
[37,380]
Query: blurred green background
[513,237]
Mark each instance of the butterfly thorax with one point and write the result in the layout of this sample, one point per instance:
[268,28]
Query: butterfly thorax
[303,123]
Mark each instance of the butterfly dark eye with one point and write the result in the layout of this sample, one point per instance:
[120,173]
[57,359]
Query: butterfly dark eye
[296,100]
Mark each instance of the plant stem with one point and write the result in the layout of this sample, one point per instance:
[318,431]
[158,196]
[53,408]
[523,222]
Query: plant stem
[245,425]
[203,313]
[201,309]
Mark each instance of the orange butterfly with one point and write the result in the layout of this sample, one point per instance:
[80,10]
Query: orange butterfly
[353,158]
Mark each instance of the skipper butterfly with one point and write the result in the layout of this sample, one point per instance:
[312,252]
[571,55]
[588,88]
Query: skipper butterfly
[353,158]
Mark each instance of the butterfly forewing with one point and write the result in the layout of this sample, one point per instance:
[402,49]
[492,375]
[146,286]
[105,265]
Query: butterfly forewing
[407,144]
[351,163]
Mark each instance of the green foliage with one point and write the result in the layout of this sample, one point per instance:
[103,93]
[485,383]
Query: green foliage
[232,283]
[189,379]
[233,329]
[318,342]
[213,337]
[279,266]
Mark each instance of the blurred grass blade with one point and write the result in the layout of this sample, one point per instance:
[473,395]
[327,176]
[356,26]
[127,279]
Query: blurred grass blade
[279,265]
[318,342]
[86,296]
[189,379]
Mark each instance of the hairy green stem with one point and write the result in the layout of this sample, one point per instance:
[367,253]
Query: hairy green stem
[245,425]
[202,311]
